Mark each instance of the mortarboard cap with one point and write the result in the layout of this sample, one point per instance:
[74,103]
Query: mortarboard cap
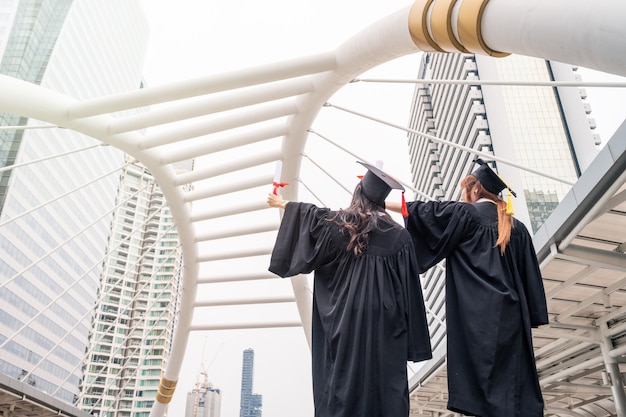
[492,181]
[489,179]
[376,185]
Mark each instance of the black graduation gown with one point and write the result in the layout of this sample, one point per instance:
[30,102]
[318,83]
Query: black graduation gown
[492,301]
[368,314]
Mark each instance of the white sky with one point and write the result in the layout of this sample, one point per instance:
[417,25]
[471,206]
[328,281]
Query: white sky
[191,38]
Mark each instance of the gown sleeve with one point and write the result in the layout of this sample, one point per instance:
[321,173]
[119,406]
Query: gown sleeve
[304,241]
[437,228]
[532,281]
[420,348]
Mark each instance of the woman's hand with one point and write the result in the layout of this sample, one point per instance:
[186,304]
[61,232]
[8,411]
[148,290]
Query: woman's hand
[276,200]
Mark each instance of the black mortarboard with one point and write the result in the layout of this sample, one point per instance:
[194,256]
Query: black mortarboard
[492,181]
[489,179]
[376,185]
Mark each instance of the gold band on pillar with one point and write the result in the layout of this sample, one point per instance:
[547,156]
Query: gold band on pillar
[441,26]
[166,390]
[469,27]
[418,27]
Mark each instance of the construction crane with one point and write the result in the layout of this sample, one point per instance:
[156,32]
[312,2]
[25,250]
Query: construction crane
[204,370]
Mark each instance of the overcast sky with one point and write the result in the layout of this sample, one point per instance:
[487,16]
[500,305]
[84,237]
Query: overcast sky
[191,38]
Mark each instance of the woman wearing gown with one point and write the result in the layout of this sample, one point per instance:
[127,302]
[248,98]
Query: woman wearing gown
[368,312]
[494,296]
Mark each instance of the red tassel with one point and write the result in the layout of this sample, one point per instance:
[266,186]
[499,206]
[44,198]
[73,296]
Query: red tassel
[278,185]
[405,212]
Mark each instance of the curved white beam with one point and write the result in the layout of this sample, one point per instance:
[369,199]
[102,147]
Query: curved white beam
[580,32]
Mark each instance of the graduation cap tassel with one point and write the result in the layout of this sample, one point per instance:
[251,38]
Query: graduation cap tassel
[509,204]
[405,212]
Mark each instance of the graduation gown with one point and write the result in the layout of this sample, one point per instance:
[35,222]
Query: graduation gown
[492,301]
[368,314]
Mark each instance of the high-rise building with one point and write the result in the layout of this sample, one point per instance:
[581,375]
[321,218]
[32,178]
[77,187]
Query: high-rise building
[60,207]
[204,400]
[134,321]
[544,128]
[250,404]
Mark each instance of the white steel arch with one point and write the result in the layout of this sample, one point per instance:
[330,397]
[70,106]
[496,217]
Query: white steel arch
[275,106]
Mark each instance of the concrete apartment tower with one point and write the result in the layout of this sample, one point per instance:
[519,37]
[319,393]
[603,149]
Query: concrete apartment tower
[135,313]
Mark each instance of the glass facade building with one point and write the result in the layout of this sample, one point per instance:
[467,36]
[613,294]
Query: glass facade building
[60,207]
[250,404]
[30,30]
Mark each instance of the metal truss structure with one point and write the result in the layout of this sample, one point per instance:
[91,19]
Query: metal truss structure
[236,126]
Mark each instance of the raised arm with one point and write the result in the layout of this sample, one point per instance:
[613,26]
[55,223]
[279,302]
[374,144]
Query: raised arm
[393,206]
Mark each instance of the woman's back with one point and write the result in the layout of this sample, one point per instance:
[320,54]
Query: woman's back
[368,311]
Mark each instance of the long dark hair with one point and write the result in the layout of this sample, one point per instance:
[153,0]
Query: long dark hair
[360,218]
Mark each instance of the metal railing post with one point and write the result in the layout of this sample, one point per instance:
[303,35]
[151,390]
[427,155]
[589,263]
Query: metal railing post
[612,368]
